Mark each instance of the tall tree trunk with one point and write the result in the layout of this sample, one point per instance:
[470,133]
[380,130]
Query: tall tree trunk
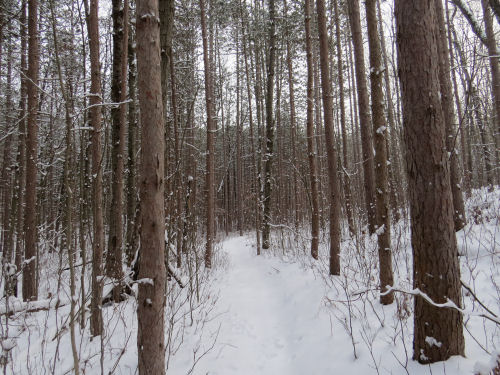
[382,216]
[67,188]
[461,114]
[340,72]
[293,126]
[96,324]
[364,114]
[436,270]
[268,156]
[334,193]
[132,212]
[311,149]
[239,140]
[30,287]
[151,296]
[495,73]
[21,152]
[210,172]
[449,118]
[7,168]
[396,173]
[251,125]
[119,116]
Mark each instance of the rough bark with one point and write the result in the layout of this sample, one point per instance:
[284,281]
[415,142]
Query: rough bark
[96,324]
[118,116]
[151,295]
[382,216]
[132,212]
[436,270]
[334,193]
[30,287]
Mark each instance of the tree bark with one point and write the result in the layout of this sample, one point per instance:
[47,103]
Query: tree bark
[382,216]
[96,324]
[364,114]
[151,295]
[210,172]
[268,156]
[436,270]
[311,149]
[495,72]
[334,193]
[449,118]
[119,116]
[30,287]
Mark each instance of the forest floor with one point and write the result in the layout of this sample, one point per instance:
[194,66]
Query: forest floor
[279,313]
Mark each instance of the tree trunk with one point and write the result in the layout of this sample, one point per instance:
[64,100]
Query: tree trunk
[118,115]
[21,152]
[340,72]
[495,74]
[210,172]
[132,212]
[151,295]
[449,118]
[382,217]
[436,270]
[334,193]
[30,287]
[268,156]
[96,324]
[311,149]
[364,114]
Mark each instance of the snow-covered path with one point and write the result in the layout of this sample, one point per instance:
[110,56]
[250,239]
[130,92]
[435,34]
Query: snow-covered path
[272,321]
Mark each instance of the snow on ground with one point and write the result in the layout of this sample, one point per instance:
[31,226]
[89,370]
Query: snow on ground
[278,313]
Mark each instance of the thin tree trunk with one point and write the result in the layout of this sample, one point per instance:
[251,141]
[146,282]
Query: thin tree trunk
[334,193]
[449,118]
[210,172]
[119,115]
[340,72]
[311,149]
[364,114]
[495,74]
[132,212]
[21,152]
[382,216]
[30,287]
[268,157]
[96,324]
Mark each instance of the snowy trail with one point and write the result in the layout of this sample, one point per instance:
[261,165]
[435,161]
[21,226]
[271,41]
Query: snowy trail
[272,322]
